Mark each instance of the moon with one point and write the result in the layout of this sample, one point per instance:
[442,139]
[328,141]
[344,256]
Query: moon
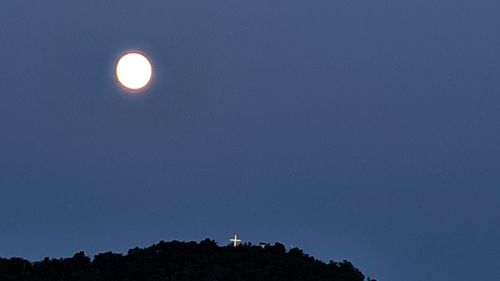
[134,71]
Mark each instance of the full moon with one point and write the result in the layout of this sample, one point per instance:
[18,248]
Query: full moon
[134,71]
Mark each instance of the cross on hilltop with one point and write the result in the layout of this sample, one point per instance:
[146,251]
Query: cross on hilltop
[235,241]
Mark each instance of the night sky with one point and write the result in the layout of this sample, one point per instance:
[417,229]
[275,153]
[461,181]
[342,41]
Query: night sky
[360,129]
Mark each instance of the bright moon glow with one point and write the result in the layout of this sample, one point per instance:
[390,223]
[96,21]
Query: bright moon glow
[134,71]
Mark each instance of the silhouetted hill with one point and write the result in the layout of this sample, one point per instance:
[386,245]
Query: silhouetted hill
[179,261]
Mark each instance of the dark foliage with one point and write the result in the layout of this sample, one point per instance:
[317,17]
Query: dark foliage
[179,261]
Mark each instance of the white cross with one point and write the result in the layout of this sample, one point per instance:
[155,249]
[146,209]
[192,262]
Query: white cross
[235,240]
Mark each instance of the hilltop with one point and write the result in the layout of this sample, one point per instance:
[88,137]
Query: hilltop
[179,261]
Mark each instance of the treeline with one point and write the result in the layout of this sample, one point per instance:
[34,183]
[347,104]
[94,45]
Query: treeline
[184,261]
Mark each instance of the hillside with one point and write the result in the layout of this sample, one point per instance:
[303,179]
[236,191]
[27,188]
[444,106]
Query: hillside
[179,261]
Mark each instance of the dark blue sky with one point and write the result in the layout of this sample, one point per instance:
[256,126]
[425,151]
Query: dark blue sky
[366,130]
